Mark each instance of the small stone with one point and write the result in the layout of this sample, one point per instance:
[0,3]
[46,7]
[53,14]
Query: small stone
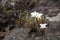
[13,37]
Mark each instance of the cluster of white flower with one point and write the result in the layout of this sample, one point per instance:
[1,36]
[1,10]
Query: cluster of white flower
[38,15]
[43,25]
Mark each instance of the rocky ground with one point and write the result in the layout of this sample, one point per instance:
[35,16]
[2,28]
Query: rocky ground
[49,8]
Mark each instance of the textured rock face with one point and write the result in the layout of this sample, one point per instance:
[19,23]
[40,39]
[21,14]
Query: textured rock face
[17,34]
[21,4]
[11,9]
[56,18]
[22,33]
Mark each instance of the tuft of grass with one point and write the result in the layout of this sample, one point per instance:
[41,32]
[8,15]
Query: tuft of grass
[21,21]
[31,24]
[26,21]
[1,34]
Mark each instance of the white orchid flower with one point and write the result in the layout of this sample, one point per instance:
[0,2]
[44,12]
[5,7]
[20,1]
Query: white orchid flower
[43,25]
[36,14]
[33,14]
[39,15]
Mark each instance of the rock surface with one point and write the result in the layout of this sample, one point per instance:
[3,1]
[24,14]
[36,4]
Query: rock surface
[51,8]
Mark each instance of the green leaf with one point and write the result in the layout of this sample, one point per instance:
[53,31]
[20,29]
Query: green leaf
[26,14]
